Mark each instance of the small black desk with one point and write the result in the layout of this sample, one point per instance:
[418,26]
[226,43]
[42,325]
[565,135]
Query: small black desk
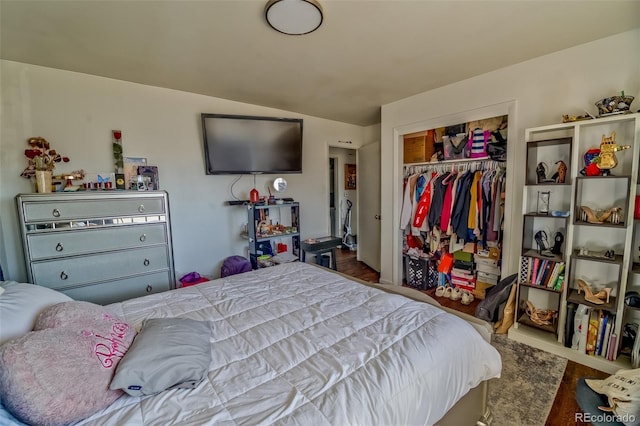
[321,245]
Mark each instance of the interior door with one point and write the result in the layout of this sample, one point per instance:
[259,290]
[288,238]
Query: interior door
[369,205]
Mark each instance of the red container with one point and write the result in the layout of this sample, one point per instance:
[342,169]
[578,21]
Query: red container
[254,196]
[636,210]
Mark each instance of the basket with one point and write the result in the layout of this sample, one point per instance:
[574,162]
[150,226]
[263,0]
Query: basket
[421,273]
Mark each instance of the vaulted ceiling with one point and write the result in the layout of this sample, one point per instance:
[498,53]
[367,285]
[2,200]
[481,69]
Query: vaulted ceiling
[365,54]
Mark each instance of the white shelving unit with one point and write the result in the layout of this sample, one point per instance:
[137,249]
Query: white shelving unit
[569,142]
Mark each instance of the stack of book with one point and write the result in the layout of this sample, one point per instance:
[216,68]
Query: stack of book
[542,272]
[463,272]
[593,333]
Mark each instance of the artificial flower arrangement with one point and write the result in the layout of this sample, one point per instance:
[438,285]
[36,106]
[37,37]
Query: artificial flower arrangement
[41,157]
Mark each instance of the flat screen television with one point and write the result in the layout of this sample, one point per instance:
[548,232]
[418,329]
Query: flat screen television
[240,144]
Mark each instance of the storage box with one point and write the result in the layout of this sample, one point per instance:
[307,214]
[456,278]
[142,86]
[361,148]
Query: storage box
[463,256]
[420,273]
[481,289]
[418,147]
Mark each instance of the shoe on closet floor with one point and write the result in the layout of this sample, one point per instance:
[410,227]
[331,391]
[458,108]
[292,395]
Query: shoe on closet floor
[455,294]
[441,290]
[467,297]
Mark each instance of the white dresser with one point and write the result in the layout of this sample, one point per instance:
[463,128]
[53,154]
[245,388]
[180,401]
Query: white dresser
[102,246]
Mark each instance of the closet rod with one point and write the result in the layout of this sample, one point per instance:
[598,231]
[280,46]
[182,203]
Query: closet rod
[450,165]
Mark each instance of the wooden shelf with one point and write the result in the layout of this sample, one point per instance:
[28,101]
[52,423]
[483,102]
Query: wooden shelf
[579,299]
[603,225]
[617,259]
[524,319]
[539,287]
[534,253]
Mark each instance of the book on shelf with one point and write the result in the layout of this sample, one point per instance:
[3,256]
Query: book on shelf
[602,318]
[559,283]
[582,313]
[592,331]
[557,268]
[546,272]
[606,333]
[612,351]
[534,270]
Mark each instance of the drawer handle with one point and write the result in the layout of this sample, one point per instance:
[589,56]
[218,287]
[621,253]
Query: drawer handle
[141,208]
[59,247]
[63,275]
[55,213]
[146,262]
[149,288]
[143,237]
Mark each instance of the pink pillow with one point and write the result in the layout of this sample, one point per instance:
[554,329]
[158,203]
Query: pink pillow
[60,372]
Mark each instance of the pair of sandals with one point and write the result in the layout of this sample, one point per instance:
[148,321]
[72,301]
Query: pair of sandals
[454,293]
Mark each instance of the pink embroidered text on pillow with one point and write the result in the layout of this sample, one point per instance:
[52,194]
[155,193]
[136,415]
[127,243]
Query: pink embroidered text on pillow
[110,349]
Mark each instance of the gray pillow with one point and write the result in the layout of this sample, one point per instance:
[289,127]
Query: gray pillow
[166,353]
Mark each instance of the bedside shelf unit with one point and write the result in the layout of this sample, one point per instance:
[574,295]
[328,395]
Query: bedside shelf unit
[585,243]
[262,228]
[101,247]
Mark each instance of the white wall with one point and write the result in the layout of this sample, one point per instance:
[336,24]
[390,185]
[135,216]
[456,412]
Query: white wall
[76,113]
[566,82]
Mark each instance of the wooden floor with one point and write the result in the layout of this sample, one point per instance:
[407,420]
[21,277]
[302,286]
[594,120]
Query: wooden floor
[564,407]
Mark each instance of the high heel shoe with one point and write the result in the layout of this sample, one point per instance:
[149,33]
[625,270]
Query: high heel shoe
[542,317]
[588,294]
[561,174]
[603,294]
[543,244]
[608,215]
[541,172]
[541,241]
[557,246]
[588,215]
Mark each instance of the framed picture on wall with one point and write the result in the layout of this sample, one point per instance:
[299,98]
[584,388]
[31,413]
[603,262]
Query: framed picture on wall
[349,177]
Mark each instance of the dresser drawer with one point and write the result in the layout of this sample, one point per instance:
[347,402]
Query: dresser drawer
[81,241]
[91,208]
[117,291]
[72,271]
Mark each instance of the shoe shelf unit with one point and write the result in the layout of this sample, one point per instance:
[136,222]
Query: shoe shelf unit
[601,239]
[545,211]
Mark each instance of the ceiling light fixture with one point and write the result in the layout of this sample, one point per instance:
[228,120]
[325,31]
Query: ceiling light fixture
[294,17]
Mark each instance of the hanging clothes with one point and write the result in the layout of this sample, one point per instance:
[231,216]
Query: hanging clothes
[407,204]
[437,200]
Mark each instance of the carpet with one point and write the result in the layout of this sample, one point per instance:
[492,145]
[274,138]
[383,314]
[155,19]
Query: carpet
[530,379]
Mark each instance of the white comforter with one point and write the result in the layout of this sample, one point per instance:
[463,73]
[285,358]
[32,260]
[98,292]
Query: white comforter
[295,344]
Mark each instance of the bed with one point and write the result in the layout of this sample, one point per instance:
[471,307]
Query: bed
[300,344]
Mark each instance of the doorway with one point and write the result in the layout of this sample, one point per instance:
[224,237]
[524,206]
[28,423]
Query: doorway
[342,190]
[332,196]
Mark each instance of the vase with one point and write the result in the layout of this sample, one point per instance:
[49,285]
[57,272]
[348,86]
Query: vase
[43,181]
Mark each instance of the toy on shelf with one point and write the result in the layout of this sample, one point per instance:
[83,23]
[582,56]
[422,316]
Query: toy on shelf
[599,162]
[607,159]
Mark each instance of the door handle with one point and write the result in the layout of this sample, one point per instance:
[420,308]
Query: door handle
[378,217]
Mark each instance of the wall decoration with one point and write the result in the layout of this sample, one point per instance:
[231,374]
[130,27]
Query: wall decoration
[350,177]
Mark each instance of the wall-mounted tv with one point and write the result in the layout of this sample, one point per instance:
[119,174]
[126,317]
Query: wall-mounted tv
[240,144]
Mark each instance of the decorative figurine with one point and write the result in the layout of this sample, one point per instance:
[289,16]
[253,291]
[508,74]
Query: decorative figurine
[607,159]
